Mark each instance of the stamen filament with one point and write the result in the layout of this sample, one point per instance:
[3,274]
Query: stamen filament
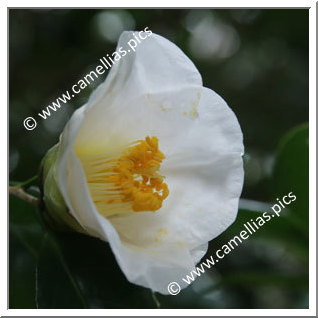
[128,180]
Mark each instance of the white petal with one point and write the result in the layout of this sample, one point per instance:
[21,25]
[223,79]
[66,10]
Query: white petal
[157,66]
[204,172]
[155,267]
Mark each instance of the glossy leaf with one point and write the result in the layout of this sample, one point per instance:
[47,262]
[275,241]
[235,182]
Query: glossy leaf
[279,229]
[21,275]
[76,271]
[291,172]
[25,240]
[25,225]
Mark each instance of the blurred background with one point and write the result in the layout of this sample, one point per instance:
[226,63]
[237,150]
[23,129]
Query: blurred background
[257,60]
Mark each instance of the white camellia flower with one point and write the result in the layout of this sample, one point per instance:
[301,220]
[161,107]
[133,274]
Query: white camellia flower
[151,164]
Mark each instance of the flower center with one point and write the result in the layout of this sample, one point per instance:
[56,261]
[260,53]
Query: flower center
[128,182]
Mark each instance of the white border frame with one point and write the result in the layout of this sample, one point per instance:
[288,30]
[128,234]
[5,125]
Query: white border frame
[312,163]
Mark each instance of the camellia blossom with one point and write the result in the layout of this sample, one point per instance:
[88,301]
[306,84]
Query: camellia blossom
[151,164]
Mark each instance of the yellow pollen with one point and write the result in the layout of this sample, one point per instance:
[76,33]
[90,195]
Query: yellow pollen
[129,181]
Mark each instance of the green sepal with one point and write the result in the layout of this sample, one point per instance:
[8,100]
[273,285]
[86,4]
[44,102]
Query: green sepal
[55,210]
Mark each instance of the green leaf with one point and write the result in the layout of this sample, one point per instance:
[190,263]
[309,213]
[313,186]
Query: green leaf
[55,285]
[263,278]
[25,225]
[279,229]
[77,271]
[291,171]
[21,276]
[25,239]
[291,174]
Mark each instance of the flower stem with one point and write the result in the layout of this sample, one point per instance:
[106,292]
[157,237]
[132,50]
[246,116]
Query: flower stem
[20,193]
[24,183]
[155,299]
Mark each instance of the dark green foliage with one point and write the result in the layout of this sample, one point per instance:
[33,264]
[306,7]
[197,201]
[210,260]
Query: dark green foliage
[265,82]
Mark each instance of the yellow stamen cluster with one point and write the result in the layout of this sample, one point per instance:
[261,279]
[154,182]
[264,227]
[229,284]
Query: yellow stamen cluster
[129,182]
